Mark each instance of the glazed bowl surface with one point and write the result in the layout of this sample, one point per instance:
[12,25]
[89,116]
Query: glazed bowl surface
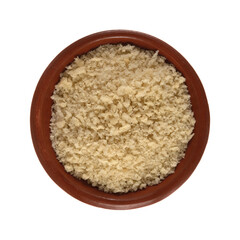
[41,114]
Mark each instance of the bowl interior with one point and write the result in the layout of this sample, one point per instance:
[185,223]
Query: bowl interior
[41,114]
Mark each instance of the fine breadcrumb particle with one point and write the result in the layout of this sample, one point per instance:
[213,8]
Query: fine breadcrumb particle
[121,118]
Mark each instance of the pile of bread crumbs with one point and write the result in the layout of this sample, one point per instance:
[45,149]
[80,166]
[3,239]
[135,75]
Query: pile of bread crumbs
[121,118]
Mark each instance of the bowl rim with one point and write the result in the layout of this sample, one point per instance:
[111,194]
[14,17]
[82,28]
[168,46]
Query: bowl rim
[40,117]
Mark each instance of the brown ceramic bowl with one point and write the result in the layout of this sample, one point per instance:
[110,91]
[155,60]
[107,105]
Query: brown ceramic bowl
[41,114]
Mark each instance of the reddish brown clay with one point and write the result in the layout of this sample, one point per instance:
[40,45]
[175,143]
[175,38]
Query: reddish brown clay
[41,114]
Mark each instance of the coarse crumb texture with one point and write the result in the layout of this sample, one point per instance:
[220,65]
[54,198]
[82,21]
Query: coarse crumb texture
[121,118]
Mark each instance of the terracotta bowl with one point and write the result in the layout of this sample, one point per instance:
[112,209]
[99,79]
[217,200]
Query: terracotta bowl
[41,114]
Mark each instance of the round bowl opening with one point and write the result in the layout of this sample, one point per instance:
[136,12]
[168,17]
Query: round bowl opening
[41,114]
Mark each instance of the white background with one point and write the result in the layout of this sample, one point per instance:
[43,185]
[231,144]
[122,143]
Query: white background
[206,33]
